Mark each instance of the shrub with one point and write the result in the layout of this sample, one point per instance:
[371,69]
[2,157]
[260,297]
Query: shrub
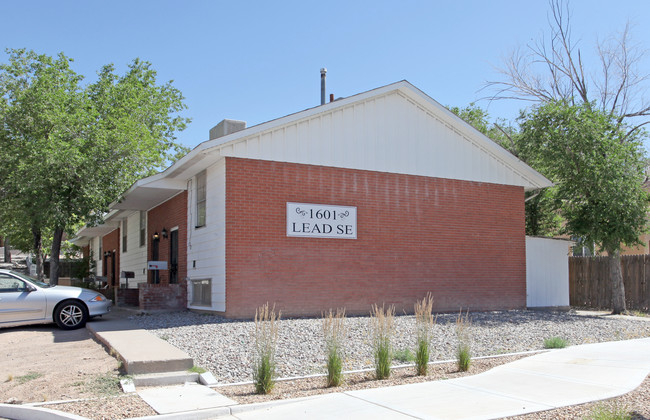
[555,343]
[334,333]
[424,322]
[404,356]
[463,353]
[610,412]
[266,337]
[382,323]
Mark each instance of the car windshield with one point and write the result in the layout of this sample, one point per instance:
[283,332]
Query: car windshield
[31,280]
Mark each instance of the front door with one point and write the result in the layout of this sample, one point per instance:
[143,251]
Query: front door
[155,246]
[173,256]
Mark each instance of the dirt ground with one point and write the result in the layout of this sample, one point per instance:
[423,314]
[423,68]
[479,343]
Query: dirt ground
[44,363]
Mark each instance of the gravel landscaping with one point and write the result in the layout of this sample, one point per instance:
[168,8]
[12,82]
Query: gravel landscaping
[224,346]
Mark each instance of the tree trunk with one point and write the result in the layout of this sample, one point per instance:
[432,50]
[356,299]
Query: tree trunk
[54,256]
[38,251]
[616,280]
[7,251]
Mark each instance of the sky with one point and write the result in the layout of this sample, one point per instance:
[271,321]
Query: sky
[260,60]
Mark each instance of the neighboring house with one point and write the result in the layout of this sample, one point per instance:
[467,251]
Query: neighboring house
[380,197]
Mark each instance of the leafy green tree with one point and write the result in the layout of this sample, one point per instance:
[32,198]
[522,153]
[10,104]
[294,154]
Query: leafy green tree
[542,216]
[69,150]
[598,167]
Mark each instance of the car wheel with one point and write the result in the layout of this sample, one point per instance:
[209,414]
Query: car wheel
[70,315]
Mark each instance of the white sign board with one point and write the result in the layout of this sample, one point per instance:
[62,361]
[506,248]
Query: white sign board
[157,265]
[321,221]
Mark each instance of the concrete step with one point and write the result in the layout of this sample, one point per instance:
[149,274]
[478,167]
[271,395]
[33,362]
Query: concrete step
[164,379]
[140,351]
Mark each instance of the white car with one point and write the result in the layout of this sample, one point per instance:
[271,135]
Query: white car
[24,300]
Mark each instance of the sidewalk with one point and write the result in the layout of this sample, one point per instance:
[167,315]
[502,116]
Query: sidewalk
[559,378]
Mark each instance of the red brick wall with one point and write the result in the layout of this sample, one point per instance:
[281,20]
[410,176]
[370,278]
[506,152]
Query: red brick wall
[110,243]
[168,215]
[462,241]
[163,296]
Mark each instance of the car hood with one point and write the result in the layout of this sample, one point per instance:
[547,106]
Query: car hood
[71,292]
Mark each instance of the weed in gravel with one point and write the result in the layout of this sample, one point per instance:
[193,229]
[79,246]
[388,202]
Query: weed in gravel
[10,378]
[404,356]
[610,412]
[555,343]
[196,369]
[463,352]
[382,329]
[266,338]
[424,322]
[106,384]
[334,333]
[30,376]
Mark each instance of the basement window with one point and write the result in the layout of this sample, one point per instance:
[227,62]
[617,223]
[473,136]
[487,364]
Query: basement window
[201,292]
[200,199]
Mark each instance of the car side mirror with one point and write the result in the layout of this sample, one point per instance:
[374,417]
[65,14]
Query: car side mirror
[29,288]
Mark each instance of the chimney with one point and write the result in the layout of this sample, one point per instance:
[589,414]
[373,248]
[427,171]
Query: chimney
[323,72]
[226,127]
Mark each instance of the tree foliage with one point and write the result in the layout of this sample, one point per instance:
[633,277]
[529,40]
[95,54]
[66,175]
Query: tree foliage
[598,170]
[68,149]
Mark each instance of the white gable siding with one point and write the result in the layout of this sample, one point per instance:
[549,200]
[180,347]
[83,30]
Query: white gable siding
[387,133]
[135,257]
[207,245]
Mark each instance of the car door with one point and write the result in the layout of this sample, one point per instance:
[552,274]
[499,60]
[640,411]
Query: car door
[19,301]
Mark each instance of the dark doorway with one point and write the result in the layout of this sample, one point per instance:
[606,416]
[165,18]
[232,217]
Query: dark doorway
[173,256]
[155,274]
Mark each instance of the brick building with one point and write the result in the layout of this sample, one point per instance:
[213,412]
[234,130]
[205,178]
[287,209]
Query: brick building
[381,197]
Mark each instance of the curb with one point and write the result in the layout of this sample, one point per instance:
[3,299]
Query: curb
[21,412]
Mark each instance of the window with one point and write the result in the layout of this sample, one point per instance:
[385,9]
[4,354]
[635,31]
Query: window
[11,284]
[200,199]
[201,292]
[124,233]
[143,228]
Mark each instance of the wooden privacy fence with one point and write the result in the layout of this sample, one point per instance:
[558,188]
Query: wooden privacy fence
[590,286]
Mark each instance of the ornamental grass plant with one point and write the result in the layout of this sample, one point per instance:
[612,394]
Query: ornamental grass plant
[424,322]
[266,338]
[334,333]
[463,352]
[555,343]
[382,330]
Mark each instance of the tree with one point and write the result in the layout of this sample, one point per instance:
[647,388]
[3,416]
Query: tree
[553,69]
[598,167]
[542,217]
[70,150]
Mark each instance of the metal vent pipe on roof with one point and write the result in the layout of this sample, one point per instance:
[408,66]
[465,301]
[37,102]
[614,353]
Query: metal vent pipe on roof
[323,72]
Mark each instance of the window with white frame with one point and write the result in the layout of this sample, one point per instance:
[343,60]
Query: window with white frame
[143,228]
[124,233]
[200,199]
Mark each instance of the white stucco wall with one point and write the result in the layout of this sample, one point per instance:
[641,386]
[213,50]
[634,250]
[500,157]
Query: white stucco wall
[547,272]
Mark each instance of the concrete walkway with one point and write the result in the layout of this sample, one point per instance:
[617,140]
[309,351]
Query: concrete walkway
[140,351]
[559,378]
